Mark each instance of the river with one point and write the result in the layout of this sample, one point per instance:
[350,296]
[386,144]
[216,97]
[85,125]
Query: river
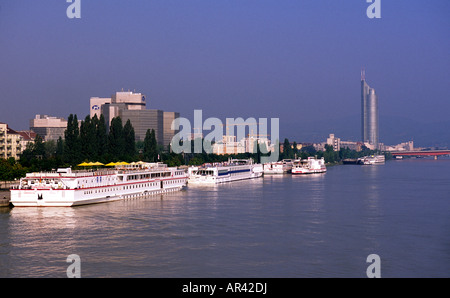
[322,225]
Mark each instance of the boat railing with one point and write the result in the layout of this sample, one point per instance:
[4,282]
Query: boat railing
[72,174]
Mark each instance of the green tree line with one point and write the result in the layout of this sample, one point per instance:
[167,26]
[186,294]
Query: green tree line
[330,156]
[90,141]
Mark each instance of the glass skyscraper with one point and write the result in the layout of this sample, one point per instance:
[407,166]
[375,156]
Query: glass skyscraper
[369,113]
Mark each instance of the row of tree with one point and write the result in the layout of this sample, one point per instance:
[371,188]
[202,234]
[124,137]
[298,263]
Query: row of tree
[90,141]
[330,156]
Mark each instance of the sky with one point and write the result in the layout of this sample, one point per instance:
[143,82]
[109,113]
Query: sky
[296,60]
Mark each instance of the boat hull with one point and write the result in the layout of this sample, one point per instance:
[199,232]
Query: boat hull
[70,198]
[216,180]
[67,188]
[305,172]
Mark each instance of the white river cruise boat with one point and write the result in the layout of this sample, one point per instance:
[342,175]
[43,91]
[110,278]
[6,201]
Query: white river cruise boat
[370,160]
[65,187]
[233,170]
[279,167]
[309,166]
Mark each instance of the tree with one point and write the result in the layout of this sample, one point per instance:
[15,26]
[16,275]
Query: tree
[102,137]
[295,150]
[59,155]
[39,148]
[116,143]
[310,150]
[72,145]
[330,155]
[287,149]
[11,169]
[38,155]
[88,139]
[129,139]
[150,146]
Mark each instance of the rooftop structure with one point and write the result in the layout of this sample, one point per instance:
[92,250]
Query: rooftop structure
[48,127]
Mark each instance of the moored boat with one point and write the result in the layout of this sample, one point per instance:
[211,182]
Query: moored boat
[279,167]
[370,160]
[233,170]
[309,166]
[66,187]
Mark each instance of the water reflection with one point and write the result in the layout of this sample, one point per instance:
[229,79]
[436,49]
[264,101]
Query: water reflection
[372,213]
[41,239]
[44,217]
[275,226]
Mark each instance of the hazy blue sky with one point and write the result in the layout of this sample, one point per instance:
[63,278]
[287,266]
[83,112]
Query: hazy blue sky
[297,60]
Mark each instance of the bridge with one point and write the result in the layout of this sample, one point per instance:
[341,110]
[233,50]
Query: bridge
[434,153]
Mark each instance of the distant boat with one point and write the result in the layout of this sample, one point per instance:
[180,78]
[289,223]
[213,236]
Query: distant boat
[370,160]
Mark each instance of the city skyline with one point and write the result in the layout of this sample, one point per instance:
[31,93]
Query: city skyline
[232,59]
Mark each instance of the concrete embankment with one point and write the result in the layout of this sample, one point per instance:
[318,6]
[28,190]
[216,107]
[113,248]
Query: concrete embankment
[4,198]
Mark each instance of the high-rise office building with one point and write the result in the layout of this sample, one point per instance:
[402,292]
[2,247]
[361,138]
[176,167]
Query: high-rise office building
[132,106]
[369,113]
[142,120]
[169,133]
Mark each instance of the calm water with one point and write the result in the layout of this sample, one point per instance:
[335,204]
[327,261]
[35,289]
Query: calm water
[282,226]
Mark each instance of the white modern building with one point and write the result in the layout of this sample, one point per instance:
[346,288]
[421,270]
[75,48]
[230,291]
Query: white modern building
[334,142]
[133,106]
